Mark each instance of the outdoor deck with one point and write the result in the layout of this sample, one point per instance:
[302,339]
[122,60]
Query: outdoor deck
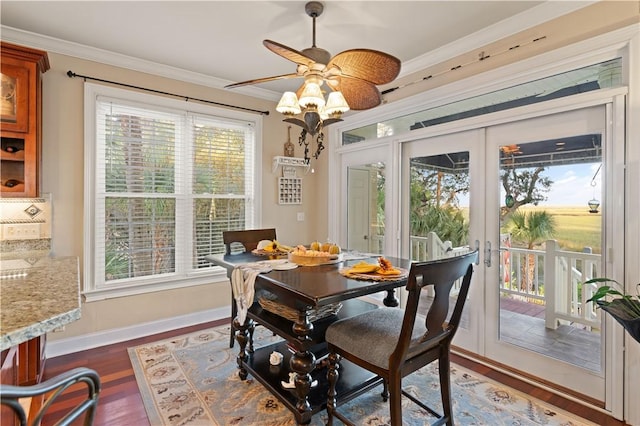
[523,324]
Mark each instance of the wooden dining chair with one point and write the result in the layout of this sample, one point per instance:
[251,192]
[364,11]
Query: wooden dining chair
[393,343]
[247,239]
[51,389]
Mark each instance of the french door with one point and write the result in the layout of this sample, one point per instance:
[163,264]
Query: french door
[560,339]
[498,188]
[443,182]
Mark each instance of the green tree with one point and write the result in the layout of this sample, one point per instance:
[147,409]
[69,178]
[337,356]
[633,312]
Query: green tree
[434,204]
[525,186]
[530,228]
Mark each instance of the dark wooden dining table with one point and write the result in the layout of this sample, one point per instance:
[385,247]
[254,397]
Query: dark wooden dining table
[305,289]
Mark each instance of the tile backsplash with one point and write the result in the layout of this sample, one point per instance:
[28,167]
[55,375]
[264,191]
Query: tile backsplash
[25,224]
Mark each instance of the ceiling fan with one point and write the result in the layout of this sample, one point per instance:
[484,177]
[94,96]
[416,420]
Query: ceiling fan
[355,72]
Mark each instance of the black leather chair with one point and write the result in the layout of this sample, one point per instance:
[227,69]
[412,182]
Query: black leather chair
[51,389]
[249,240]
[393,343]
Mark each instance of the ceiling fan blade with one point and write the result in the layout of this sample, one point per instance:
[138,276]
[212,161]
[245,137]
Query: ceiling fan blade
[288,53]
[261,80]
[366,64]
[359,94]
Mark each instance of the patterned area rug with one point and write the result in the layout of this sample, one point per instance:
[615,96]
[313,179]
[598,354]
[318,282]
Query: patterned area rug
[193,380]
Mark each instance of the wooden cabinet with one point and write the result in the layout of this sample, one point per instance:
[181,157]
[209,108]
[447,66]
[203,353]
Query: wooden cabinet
[21,119]
[9,363]
[22,365]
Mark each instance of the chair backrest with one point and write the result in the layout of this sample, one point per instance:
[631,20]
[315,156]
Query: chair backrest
[53,388]
[441,274]
[249,238]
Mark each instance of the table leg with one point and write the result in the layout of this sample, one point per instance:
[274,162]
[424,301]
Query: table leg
[244,335]
[391,299]
[332,378]
[303,362]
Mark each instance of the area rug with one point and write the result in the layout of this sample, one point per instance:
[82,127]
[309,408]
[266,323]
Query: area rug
[193,380]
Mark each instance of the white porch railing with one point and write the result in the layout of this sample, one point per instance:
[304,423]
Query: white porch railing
[555,278]
[432,247]
[551,277]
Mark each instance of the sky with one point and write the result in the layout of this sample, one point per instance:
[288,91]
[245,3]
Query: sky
[572,184]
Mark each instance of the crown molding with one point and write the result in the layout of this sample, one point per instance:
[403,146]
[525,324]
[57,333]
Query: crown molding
[80,51]
[535,16]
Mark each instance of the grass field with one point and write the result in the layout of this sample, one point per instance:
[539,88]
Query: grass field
[576,228]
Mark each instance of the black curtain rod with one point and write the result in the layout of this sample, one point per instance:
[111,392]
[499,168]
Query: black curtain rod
[72,74]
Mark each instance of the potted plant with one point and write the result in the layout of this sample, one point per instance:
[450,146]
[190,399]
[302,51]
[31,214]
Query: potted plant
[624,308]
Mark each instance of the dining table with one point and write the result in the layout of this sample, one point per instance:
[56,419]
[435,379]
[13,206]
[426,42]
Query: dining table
[306,291]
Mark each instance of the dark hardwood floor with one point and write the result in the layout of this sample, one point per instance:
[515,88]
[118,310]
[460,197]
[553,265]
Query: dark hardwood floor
[121,404]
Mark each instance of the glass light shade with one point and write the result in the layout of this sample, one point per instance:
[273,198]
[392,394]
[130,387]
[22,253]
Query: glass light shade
[336,104]
[288,104]
[323,113]
[311,95]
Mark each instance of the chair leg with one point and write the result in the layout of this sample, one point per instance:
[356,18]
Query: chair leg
[332,378]
[445,385]
[385,390]
[395,399]
[234,313]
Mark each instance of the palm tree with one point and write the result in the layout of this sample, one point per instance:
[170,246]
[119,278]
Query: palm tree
[530,228]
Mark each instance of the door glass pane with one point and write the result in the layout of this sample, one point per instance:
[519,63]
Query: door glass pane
[439,214]
[439,205]
[365,208]
[550,243]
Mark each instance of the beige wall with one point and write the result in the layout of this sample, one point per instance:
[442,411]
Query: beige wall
[585,23]
[62,176]
[63,158]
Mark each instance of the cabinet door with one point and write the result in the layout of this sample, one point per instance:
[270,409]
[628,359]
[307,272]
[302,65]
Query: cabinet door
[20,116]
[14,107]
[30,361]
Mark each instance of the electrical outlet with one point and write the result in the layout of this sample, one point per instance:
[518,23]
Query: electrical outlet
[21,231]
[300,216]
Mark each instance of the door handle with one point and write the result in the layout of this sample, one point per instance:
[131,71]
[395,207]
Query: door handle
[487,253]
[478,250]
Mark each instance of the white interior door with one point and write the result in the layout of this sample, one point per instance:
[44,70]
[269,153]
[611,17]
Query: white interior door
[358,206]
[368,200]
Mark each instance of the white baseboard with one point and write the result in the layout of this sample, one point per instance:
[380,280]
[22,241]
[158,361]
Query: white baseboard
[107,337]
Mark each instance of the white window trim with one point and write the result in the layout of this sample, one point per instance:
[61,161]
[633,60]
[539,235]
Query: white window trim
[155,283]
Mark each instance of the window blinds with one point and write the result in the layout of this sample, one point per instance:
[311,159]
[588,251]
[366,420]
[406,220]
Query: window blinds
[168,182]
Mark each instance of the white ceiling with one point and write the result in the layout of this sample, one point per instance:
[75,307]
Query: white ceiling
[223,39]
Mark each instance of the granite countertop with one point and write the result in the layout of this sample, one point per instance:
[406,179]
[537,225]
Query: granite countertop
[38,294]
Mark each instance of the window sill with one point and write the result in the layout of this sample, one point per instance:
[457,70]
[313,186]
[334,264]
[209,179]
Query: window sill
[95,295]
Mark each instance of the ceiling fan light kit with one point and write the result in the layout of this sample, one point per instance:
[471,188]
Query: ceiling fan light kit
[351,77]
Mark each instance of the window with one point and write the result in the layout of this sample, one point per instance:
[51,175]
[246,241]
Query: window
[601,75]
[164,179]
